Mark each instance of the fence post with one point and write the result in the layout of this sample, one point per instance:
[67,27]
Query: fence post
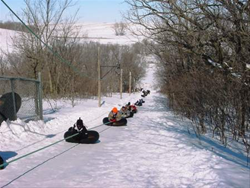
[40,94]
[13,98]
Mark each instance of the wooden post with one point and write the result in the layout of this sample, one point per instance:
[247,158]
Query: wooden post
[99,78]
[121,85]
[130,81]
[40,96]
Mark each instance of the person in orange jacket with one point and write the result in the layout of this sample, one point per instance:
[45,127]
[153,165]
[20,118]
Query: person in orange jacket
[114,115]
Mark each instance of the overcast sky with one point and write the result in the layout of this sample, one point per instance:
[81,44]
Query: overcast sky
[90,10]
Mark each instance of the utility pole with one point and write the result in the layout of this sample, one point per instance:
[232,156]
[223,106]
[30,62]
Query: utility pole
[99,78]
[130,80]
[121,85]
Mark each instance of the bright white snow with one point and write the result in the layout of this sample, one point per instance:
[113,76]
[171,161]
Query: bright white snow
[6,37]
[105,34]
[96,32]
[153,150]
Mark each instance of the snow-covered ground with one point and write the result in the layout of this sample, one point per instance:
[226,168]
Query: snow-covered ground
[154,150]
[105,34]
[96,32]
[6,37]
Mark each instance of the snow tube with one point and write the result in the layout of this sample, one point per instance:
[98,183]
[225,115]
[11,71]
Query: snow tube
[138,103]
[133,108]
[134,111]
[122,122]
[128,115]
[1,162]
[90,137]
[7,106]
[131,114]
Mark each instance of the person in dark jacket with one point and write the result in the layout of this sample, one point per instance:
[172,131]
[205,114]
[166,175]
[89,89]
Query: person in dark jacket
[81,128]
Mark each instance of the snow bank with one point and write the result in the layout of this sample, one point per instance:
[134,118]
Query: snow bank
[155,149]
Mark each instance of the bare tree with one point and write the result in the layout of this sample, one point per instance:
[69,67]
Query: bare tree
[204,53]
[46,18]
[120,28]
[74,73]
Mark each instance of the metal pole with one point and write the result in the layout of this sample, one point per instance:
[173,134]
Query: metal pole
[121,85]
[134,85]
[99,78]
[40,96]
[130,80]
[13,98]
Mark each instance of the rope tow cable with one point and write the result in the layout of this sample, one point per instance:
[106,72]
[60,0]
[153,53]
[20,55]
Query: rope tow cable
[26,155]
[62,60]
[47,46]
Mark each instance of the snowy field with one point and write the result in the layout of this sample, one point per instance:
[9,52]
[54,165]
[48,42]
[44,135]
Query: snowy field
[105,34]
[6,37]
[96,32]
[154,150]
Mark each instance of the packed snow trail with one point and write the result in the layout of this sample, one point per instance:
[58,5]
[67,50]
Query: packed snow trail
[153,150]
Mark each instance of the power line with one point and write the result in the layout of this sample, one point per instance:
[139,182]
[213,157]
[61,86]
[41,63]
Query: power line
[75,69]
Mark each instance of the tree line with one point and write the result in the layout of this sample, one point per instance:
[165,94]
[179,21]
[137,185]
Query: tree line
[203,49]
[68,64]
[11,25]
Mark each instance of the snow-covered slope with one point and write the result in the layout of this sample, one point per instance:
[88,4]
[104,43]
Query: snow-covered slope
[6,37]
[97,32]
[153,150]
[104,33]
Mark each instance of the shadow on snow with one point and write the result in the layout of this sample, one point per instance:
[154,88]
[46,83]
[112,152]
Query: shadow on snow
[180,125]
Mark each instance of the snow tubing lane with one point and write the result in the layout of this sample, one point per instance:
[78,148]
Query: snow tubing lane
[1,162]
[93,137]
[122,122]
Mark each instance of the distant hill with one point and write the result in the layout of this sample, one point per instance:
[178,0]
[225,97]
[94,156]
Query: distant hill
[96,32]
[6,37]
[104,33]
